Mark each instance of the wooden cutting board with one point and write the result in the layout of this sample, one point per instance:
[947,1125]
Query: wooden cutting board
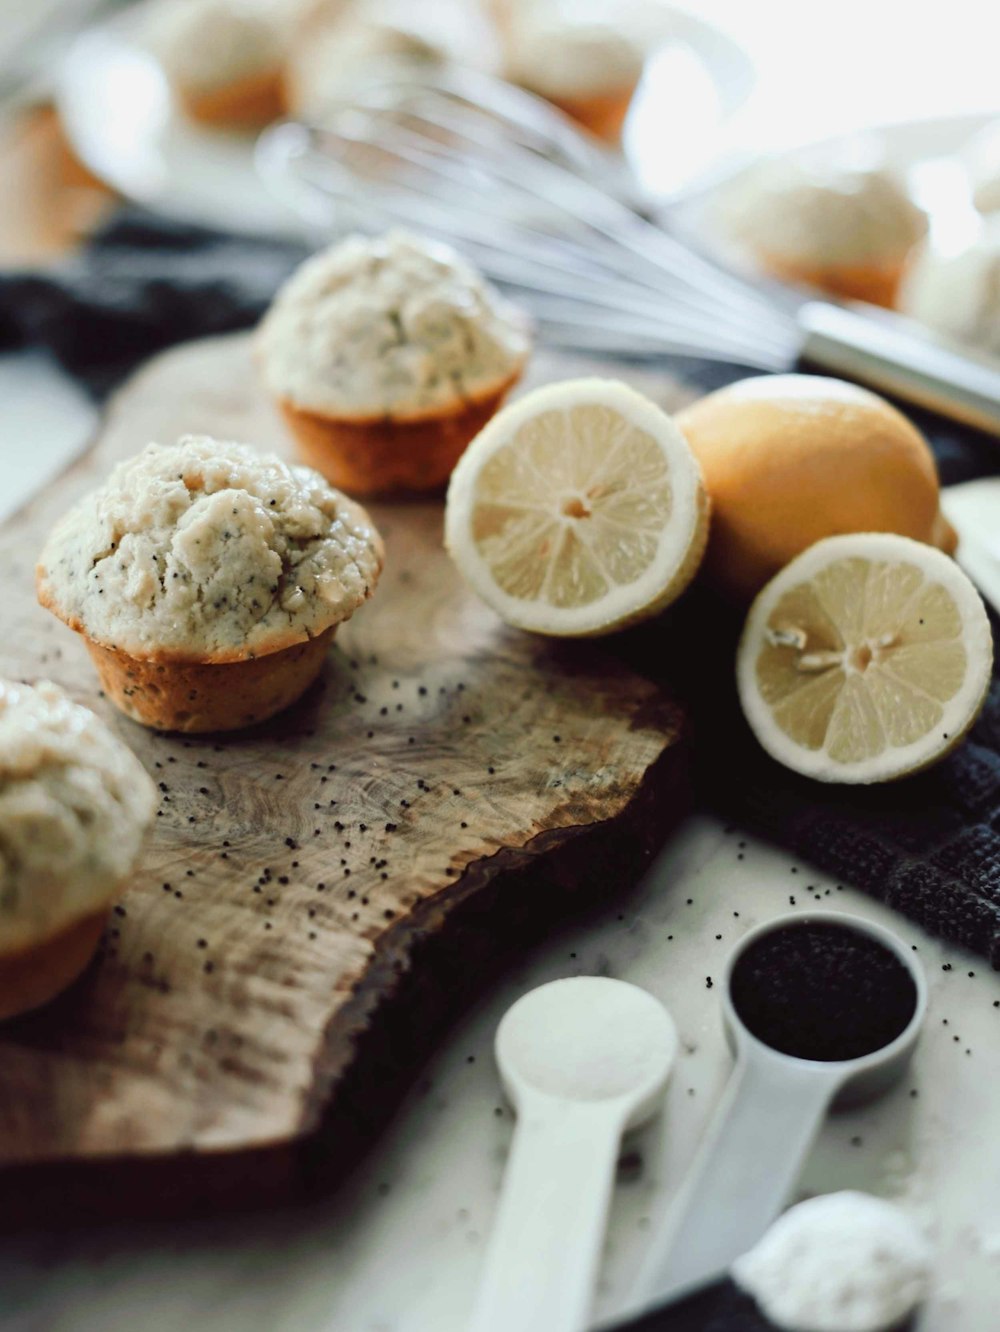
[319,896]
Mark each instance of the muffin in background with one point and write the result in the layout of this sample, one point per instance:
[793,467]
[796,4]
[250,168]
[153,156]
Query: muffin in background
[588,70]
[340,47]
[74,805]
[958,293]
[224,59]
[386,356]
[341,43]
[207,581]
[981,158]
[847,230]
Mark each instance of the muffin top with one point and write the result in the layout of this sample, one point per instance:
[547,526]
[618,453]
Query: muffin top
[958,292]
[333,56]
[391,327]
[209,551]
[817,213]
[74,802]
[344,41]
[557,56]
[981,157]
[205,44]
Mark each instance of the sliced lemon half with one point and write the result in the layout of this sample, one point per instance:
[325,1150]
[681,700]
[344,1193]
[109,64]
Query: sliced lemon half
[578,510]
[866,658]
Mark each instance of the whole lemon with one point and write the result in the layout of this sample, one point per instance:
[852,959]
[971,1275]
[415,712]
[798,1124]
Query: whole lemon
[790,459]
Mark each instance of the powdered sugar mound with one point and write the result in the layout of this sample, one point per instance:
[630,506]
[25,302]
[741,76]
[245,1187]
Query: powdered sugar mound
[844,1262]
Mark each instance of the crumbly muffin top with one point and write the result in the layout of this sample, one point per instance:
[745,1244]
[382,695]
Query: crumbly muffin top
[205,44]
[333,56]
[74,802]
[958,293]
[818,213]
[389,327]
[209,551]
[558,56]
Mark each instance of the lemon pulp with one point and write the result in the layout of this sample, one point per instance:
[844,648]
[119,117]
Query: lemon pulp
[866,658]
[863,657]
[573,508]
[577,510]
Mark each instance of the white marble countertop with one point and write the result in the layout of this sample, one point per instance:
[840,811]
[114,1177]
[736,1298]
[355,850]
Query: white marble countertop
[398,1248]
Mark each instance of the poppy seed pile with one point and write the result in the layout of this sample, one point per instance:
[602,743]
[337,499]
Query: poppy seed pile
[822,991]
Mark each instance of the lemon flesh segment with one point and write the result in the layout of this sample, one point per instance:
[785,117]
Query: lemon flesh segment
[612,495]
[868,657]
[577,509]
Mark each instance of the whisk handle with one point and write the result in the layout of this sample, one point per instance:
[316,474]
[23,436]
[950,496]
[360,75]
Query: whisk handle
[891,354]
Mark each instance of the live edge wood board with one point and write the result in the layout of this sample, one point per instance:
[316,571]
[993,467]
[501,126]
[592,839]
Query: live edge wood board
[321,895]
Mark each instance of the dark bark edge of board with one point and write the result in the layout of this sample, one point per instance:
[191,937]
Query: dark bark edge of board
[425,972]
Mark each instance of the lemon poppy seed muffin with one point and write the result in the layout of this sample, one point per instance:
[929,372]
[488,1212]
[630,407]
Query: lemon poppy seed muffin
[343,45]
[333,56]
[74,804]
[223,58]
[207,580]
[386,356]
[588,70]
[981,159]
[847,230]
[957,292]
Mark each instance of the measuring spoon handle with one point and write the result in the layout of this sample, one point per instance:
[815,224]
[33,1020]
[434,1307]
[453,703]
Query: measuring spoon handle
[542,1258]
[741,1176]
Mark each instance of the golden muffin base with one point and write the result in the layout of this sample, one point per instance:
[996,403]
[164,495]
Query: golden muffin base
[878,284]
[37,974]
[245,104]
[376,455]
[602,114]
[209,696]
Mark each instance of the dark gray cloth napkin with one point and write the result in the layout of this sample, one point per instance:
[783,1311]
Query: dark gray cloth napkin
[928,846]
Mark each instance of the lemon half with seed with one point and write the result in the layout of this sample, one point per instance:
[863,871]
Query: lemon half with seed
[865,659]
[578,510]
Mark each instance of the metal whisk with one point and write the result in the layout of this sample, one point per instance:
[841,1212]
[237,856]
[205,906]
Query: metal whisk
[551,217]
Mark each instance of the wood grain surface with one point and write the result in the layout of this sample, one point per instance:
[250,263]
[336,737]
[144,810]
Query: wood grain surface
[319,895]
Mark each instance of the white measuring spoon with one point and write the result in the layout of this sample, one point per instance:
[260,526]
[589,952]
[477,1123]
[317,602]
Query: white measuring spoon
[752,1154]
[581,1060]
